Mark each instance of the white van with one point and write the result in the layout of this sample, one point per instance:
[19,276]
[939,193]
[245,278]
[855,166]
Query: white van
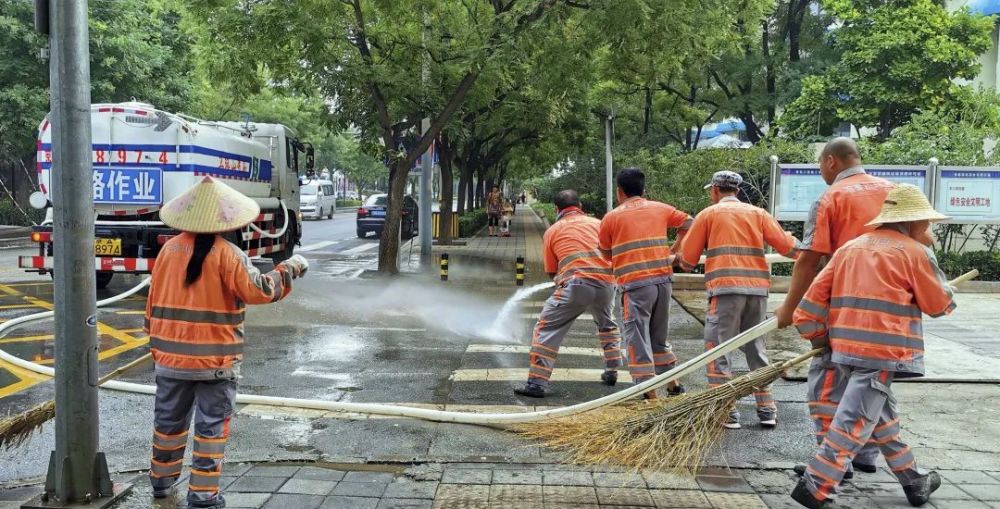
[318,198]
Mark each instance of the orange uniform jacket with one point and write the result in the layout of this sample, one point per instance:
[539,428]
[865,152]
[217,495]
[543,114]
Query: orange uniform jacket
[734,234]
[196,332]
[634,236]
[570,249]
[869,298]
[841,213]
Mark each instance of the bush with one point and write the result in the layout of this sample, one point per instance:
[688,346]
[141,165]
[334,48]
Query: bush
[348,203]
[956,264]
[546,210]
[471,222]
[11,216]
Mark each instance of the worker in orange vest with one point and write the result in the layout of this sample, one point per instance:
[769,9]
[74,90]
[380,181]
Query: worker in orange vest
[583,283]
[867,306]
[633,237]
[840,215]
[194,316]
[737,278]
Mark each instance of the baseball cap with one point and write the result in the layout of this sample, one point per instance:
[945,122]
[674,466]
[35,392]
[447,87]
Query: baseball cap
[725,178]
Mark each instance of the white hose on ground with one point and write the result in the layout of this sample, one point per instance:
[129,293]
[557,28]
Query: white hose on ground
[403,411]
[284,226]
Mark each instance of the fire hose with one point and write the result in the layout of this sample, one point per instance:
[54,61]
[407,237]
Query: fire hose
[269,235]
[487,419]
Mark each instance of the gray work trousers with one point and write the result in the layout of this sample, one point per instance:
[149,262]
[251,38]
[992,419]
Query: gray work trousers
[646,313]
[569,301]
[728,316]
[867,411]
[825,385]
[212,404]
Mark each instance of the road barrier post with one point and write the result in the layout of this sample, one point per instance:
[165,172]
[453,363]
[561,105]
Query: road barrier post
[444,266]
[519,271]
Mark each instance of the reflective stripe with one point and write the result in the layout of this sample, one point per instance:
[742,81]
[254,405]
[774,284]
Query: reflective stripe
[721,273]
[209,446]
[732,250]
[641,266]
[172,469]
[880,338]
[195,349]
[579,256]
[205,481]
[639,244]
[893,308]
[169,444]
[686,225]
[190,315]
[813,308]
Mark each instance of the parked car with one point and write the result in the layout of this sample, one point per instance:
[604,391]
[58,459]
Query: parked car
[371,216]
[318,199]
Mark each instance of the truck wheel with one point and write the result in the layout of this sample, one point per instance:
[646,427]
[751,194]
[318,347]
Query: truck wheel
[319,216]
[362,234]
[103,278]
[330,216]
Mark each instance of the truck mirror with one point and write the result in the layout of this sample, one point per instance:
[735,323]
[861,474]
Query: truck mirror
[310,159]
[38,200]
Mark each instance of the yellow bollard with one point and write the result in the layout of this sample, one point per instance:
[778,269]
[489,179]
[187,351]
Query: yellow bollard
[444,266]
[519,271]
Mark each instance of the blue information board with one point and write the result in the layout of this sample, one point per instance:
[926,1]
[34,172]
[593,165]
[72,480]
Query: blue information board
[969,194]
[798,186]
[133,186]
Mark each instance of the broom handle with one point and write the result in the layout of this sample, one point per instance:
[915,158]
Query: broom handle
[119,371]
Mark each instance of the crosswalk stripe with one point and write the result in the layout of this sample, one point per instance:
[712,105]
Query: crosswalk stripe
[360,249]
[318,245]
[534,316]
[520,375]
[523,349]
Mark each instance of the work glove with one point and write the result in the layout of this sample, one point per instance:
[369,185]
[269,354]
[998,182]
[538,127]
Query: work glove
[297,265]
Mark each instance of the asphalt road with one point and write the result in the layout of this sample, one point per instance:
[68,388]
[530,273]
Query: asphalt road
[341,337]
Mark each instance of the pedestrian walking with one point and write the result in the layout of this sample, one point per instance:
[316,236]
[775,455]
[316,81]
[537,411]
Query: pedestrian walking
[494,206]
[522,197]
[507,216]
[633,237]
[737,278]
[583,283]
[840,215]
[194,317]
[866,306]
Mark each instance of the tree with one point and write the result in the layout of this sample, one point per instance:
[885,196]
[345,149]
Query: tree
[897,58]
[377,58]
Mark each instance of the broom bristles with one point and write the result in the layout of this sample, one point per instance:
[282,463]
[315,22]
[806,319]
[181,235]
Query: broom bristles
[15,430]
[672,435]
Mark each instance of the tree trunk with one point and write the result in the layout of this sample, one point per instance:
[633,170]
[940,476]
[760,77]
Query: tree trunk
[463,184]
[447,192]
[388,248]
[769,79]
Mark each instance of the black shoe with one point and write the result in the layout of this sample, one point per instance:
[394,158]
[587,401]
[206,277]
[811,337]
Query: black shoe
[164,492]
[800,470]
[801,495]
[918,494]
[217,503]
[676,390]
[864,467]
[609,378]
[531,390]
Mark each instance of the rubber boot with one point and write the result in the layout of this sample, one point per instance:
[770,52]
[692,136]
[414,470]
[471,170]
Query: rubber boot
[801,495]
[919,493]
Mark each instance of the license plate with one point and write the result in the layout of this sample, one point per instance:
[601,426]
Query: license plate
[378,213]
[108,247]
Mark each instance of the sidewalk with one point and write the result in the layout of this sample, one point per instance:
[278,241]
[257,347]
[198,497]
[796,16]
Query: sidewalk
[525,240]
[542,486]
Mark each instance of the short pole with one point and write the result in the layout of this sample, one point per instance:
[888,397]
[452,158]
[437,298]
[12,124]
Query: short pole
[519,271]
[444,266]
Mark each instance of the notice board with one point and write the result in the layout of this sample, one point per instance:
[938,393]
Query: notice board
[969,194]
[797,186]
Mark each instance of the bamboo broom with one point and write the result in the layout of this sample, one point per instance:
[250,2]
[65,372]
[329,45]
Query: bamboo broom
[671,435]
[14,430]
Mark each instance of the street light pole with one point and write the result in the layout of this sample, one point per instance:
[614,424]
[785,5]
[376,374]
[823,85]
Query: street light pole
[425,209]
[608,162]
[78,473]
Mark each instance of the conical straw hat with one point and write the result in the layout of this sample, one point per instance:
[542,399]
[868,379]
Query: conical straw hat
[906,202]
[209,207]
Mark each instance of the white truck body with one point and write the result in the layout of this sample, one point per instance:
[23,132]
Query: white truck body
[143,157]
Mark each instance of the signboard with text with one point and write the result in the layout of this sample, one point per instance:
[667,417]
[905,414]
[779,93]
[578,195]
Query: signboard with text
[969,194]
[798,186]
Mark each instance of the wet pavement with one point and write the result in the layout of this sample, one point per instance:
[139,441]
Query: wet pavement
[345,336]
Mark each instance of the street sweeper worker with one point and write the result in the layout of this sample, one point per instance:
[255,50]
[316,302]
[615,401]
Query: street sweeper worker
[737,278]
[866,307]
[633,237]
[200,287]
[841,214]
[583,283]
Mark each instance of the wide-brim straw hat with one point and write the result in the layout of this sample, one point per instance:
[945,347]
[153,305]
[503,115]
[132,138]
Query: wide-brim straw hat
[209,207]
[905,203]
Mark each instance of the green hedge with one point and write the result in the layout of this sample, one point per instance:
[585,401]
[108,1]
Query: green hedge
[348,203]
[11,216]
[471,222]
[956,264]
[546,210]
